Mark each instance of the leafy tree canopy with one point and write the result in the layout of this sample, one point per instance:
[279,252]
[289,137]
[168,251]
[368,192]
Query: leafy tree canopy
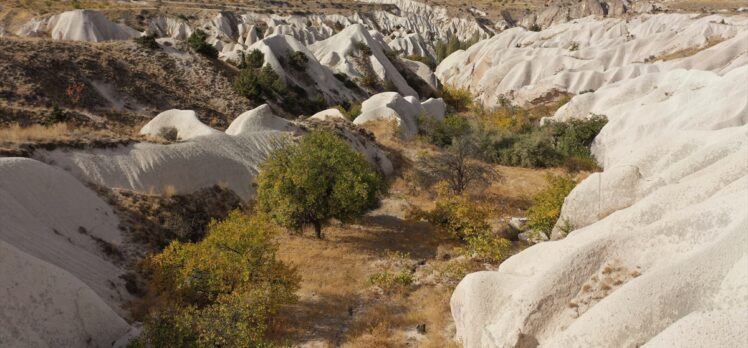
[315,180]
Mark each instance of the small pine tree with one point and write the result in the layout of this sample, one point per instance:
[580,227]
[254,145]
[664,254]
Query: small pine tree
[199,45]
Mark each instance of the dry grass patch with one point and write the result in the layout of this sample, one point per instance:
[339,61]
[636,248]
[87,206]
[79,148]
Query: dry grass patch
[35,133]
[687,52]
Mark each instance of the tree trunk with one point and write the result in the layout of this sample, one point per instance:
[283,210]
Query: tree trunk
[318,229]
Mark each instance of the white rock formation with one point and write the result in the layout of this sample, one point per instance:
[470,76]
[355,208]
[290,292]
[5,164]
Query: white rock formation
[58,287]
[660,254]
[78,25]
[403,111]
[337,52]
[258,120]
[231,158]
[314,78]
[432,21]
[423,72]
[329,115]
[185,122]
[174,28]
[587,54]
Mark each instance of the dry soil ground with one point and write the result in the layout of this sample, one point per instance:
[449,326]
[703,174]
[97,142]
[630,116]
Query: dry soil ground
[339,306]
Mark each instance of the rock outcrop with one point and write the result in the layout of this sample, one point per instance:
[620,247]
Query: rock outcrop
[190,165]
[60,286]
[405,112]
[658,253]
[586,54]
[78,25]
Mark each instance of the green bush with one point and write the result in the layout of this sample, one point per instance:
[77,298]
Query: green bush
[345,80]
[315,180]
[196,41]
[57,115]
[222,291]
[147,41]
[553,144]
[463,218]
[352,112]
[298,60]
[532,150]
[458,99]
[547,204]
[254,60]
[442,133]
[363,48]
[444,48]
[391,281]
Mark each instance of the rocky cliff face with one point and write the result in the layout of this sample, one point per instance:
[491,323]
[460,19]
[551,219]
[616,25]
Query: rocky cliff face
[658,254]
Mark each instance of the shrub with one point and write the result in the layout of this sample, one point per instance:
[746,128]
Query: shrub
[391,281]
[534,27]
[425,60]
[298,60]
[532,150]
[555,143]
[467,220]
[319,178]
[456,167]
[370,80]
[254,60]
[352,112]
[222,291]
[196,41]
[169,133]
[575,136]
[363,48]
[346,81]
[57,115]
[442,133]
[547,204]
[458,99]
[444,49]
[147,41]
[255,84]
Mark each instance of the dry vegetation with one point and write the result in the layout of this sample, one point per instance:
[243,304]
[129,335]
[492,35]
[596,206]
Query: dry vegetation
[339,303]
[118,83]
[16,140]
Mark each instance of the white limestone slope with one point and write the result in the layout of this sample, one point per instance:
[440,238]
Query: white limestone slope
[78,25]
[315,78]
[586,54]
[185,122]
[58,287]
[405,112]
[231,158]
[659,257]
[337,53]
[432,21]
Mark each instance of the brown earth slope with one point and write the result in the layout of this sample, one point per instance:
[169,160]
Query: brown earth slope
[118,83]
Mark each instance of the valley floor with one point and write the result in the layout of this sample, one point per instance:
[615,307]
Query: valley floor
[338,304]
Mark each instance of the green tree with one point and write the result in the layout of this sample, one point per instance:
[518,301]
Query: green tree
[441,51]
[222,291]
[254,60]
[298,60]
[198,44]
[315,180]
[453,44]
